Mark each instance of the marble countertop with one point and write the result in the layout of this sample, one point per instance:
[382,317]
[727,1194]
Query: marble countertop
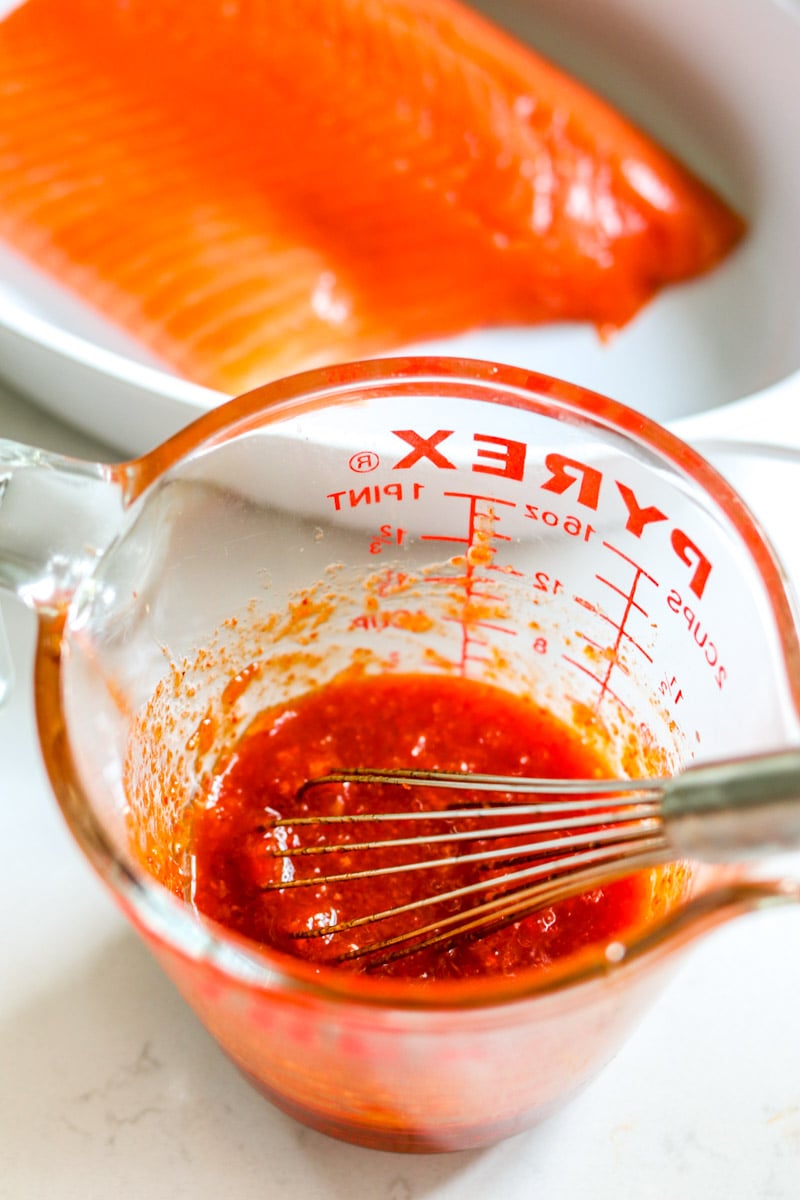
[109,1086]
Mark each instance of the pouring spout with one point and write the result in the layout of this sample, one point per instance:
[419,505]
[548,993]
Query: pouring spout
[6,665]
[57,517]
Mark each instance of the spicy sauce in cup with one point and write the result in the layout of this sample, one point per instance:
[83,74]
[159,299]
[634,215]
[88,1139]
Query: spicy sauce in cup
[246,869]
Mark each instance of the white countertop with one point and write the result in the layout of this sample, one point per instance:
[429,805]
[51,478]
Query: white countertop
[110,1087]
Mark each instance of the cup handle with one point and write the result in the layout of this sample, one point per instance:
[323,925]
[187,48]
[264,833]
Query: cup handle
[767,477]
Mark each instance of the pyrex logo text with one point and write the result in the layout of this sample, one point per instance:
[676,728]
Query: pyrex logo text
[506,457]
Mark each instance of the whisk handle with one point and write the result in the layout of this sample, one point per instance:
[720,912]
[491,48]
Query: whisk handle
[737,809]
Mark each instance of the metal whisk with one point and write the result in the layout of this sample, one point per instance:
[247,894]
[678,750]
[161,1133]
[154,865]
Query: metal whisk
[568,836]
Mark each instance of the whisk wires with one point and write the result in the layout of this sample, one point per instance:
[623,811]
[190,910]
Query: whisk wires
[572,837]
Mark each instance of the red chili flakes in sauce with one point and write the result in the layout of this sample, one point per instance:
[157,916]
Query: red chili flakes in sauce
[421,721]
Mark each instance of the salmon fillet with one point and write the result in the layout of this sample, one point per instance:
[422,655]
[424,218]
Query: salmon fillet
[252,187]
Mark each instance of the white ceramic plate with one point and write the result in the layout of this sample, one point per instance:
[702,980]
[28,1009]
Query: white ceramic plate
[714,79]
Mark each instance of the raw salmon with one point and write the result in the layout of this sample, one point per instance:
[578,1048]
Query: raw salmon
[252,187]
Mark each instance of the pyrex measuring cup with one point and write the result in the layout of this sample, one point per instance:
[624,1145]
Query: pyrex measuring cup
[410,515]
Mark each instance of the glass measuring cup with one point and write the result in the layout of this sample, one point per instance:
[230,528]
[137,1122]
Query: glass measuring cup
[409,515]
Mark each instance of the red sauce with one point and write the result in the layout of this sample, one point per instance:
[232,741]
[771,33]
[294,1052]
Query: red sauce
[424,721]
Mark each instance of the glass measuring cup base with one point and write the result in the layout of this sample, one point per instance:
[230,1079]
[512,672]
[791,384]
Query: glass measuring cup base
[389,1135]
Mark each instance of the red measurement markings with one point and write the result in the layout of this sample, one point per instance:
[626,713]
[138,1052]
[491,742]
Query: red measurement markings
[386,536]
[609,657]
[479,538]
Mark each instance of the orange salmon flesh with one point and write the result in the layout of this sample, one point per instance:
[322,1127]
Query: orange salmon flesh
[254,188]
